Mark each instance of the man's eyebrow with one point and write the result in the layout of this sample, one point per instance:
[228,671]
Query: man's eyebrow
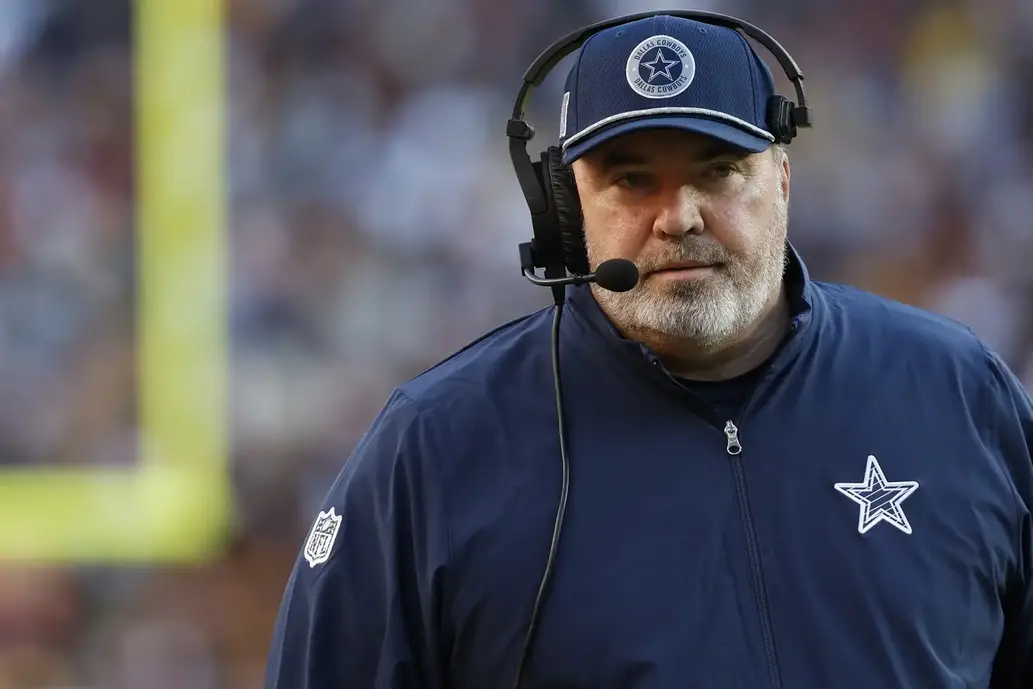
[721,149]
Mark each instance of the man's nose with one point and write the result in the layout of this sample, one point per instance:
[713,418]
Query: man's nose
[680,214]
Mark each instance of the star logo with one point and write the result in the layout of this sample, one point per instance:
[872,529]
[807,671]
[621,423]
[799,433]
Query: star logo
[660,68]
[664,68]
[880,500]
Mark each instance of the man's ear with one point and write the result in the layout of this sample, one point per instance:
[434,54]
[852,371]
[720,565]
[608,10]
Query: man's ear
[578,171]
[786,176]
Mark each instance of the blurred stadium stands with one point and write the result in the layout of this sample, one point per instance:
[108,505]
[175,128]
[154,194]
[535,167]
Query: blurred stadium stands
[374,223]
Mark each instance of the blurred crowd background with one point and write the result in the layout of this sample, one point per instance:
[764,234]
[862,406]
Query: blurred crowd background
[374,223]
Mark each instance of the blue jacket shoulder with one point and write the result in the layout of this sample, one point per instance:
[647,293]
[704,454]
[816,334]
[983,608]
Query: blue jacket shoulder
[884,324]
[904,342]
[507,358]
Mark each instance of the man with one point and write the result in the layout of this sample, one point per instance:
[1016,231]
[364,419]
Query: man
[775,482]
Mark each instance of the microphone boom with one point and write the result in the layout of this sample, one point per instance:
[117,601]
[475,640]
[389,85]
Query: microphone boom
[615,275]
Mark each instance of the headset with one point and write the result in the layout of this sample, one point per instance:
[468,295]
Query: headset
[558,243]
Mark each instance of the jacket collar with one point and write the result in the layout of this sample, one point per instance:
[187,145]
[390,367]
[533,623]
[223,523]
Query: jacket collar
[803,302]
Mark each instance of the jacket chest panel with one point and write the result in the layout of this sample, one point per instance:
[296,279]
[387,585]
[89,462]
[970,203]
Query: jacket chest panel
[893,534]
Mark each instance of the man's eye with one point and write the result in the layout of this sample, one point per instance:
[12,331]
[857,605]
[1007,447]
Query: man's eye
[722,170]
[634,180]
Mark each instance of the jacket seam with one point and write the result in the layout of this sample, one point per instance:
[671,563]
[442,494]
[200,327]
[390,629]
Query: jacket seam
[443,484]
[989,419]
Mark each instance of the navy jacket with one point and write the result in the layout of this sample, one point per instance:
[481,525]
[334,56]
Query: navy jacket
[874,530]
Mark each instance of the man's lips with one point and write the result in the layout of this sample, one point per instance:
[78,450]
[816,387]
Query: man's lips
[685,266]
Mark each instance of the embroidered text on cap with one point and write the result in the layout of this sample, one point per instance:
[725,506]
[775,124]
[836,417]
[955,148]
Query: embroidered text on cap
[660,67]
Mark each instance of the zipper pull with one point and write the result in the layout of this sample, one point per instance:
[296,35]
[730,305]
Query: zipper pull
[732,433]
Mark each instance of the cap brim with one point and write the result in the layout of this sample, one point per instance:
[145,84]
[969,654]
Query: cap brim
[723,131]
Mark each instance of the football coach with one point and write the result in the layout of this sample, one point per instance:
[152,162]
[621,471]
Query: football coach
[700,468]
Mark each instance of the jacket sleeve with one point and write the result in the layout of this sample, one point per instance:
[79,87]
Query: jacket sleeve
[359,610]
[1012,424]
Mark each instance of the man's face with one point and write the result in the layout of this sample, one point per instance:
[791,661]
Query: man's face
[705,224]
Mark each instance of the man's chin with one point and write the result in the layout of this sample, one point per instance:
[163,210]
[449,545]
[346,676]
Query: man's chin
[692,286]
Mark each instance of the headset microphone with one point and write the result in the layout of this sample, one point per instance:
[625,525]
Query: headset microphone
[615,275]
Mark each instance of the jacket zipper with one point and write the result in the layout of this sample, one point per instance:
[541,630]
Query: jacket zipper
[734,448]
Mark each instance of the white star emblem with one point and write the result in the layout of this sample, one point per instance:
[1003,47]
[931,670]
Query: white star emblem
[879,499]
[665,70]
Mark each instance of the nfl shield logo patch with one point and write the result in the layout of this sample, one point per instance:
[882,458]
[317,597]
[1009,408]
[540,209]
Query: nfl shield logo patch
[321,540]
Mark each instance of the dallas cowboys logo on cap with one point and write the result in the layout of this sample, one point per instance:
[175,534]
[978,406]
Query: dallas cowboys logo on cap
[669,72]
[660,67]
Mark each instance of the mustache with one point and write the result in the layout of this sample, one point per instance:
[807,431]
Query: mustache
[694,250]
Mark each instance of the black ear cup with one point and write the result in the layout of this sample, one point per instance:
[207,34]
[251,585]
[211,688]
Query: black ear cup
[569,221]
[780,119]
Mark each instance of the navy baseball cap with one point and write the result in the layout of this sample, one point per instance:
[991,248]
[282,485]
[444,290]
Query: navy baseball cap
[671,72]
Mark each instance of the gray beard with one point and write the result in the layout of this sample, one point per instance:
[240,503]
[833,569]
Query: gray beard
[711,311]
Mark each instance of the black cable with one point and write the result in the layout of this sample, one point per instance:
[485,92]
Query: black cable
[561,508]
